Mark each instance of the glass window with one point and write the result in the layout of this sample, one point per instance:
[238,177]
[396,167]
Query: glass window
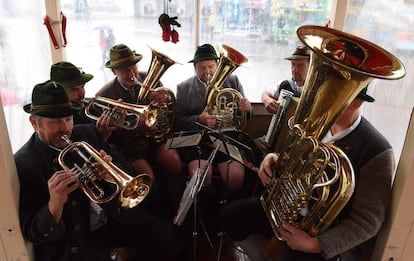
[134,23]
[25,60]
[371,20]
[264,31]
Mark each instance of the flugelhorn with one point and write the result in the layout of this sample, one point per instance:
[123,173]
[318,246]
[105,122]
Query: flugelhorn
[313,181]
[124,115]
[224,102]
[166,109]
[86,163]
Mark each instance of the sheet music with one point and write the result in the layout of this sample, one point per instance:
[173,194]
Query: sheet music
[192,189]
[184,141]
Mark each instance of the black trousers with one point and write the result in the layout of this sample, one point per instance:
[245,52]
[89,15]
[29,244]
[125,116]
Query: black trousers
[243,217]
[148,240]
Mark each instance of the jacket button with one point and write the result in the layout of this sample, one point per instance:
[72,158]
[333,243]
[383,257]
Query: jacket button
[77,228]
[74,250]
[74,203]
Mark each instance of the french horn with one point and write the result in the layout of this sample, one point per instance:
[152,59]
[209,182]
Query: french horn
[224,102]
[86,163]
[313,181]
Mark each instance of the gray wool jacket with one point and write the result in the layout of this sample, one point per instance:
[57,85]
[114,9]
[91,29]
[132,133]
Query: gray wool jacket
[354,232]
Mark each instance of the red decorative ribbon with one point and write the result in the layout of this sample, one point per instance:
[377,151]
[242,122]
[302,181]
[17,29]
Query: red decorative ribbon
[48,23]
[63,19]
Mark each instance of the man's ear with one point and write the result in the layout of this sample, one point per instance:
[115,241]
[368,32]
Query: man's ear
[356,103]
[33,121]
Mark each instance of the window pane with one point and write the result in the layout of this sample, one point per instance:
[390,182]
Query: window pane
[134,23]
[264,31]
[389,26]
[25,59]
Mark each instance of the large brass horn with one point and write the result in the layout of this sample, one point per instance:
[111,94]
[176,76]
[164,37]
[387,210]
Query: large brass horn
[167,109]
[223,102]
[314,181]
[124,115]
[86,163]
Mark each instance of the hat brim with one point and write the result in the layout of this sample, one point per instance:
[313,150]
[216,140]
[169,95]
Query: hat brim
[296,57]
[366,97]
[126,63]
[53,113]
[84,78]
[204,58]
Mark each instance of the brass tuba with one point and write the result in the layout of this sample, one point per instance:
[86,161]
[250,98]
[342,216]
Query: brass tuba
[223,102]
[167,109]
[86,163]
[313,181]
[124,115]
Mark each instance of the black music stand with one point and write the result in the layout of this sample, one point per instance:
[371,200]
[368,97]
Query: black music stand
[233,148]
[189,198]
[184,139]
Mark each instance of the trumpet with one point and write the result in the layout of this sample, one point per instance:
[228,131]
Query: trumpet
[124,115]
[86,163]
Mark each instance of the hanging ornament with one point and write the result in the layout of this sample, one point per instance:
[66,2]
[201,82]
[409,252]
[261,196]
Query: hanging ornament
[167,24]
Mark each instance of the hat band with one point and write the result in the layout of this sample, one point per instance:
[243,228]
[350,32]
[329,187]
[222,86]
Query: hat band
[52,106]
[122,60]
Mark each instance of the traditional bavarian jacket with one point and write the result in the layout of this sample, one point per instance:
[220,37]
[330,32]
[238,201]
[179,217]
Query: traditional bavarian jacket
[353,234]
[191,101]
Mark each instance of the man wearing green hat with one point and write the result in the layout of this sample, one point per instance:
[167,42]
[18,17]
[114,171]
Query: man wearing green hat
[55,214]
[73,79]
[192,109]
[147,156]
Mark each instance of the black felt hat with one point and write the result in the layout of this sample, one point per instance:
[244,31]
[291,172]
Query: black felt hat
[68,75]
[49,99]
[301,52]
[121,56]
[364,96]
[205,52]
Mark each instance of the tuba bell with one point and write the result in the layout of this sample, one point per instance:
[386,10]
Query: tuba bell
[124,115]
[167,109]
[224,102]
[312,180]
[86,163]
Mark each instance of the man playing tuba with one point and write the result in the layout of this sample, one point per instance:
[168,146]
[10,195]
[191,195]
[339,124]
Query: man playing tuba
[352,235]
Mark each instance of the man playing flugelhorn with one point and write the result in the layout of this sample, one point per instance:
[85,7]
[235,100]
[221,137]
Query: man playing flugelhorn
[55,215]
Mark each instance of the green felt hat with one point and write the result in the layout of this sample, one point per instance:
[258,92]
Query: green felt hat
[49,99]
[121,56]
[68,75]
[205,52]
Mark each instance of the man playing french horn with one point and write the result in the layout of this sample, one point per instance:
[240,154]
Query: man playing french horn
[61,221]
[192,108]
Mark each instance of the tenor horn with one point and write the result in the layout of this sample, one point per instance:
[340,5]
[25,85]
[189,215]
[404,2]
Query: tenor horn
[123,115]
[86,163]
[166,109]
[313,181]
[223,102]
